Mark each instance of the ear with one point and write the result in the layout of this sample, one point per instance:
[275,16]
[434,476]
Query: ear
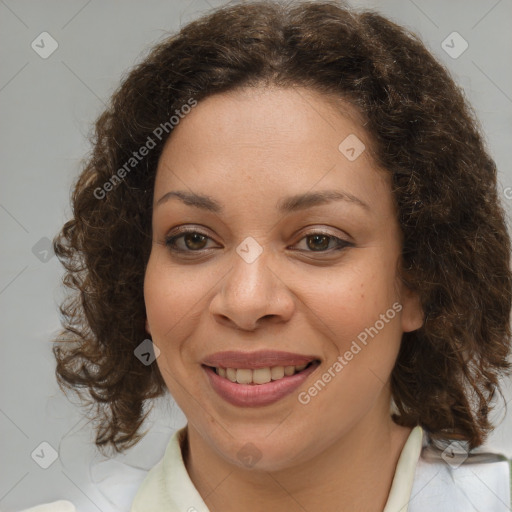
[413,315]
[147,327]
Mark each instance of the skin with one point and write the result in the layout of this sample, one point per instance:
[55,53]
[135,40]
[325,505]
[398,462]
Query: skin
[248,149]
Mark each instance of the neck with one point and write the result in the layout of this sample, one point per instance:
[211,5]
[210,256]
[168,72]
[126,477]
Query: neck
[355,473]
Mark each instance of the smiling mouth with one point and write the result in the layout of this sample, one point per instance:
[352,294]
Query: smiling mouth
[260,376]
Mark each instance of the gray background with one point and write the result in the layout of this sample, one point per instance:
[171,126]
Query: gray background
[47,107]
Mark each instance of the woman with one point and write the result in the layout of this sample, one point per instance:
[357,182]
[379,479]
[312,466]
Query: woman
[290,222]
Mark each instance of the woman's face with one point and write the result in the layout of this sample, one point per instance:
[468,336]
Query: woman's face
[269,276]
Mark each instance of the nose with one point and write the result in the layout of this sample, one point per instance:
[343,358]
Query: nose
[252,294]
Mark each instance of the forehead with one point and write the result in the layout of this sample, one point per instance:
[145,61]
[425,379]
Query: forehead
[267,115]
[268,140]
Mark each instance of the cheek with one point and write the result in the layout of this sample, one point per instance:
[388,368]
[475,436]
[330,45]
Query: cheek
[173,296]
[359,308]
[362,357]
[350,299]
[173,303]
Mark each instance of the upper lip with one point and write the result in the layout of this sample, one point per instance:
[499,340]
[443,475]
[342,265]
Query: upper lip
[257,359]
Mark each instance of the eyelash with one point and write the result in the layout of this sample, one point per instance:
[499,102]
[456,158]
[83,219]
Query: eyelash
[170,241]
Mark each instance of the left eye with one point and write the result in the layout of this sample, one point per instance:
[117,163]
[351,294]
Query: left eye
[319,242]
[195,241]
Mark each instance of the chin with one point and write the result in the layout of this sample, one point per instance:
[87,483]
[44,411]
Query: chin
[263,452]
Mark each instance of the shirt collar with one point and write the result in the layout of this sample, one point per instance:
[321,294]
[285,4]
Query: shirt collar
[400,492]
[169,488]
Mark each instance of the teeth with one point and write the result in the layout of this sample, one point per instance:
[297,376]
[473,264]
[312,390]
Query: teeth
[259,375]
[277,372]
[244,376]
[289,370]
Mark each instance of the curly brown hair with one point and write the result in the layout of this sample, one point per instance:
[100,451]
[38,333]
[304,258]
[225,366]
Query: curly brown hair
[455,243]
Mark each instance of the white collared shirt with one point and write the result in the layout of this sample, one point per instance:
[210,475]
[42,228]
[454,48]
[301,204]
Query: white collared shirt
[425,479]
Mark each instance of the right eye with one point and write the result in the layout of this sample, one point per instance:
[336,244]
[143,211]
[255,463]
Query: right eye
[191,241]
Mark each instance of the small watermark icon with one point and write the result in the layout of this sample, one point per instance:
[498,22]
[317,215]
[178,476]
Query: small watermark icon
[43,250]
[147,352]
[351,147]
[455,454]
[249,250]
[454,45]
[44,455]
[44,45]
[249,455]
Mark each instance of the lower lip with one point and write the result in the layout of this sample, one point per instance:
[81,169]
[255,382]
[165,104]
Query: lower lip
[255,395]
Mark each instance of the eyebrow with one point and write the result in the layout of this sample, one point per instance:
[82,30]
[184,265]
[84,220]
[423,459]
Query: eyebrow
[286,205]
